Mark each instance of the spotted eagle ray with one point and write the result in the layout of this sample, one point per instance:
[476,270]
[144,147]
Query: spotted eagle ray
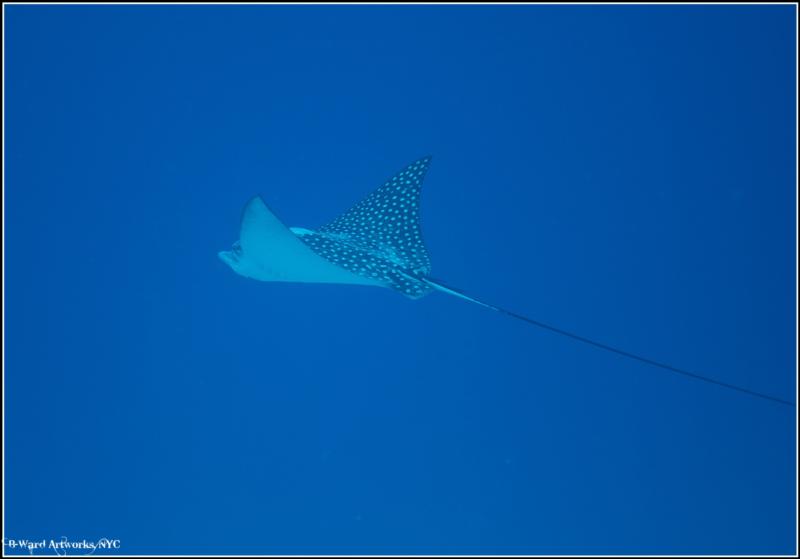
[377,242]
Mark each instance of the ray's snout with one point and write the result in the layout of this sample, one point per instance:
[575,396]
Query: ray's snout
[231,257]
[227,256]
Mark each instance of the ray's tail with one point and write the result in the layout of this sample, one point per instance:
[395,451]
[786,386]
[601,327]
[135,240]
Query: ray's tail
[439,286]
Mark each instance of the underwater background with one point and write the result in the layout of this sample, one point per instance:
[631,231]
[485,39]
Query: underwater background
[623,172]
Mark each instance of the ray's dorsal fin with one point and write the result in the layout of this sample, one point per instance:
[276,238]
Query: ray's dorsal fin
[387,222]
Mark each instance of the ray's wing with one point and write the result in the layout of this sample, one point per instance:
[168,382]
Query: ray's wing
[387,222]
[278,255]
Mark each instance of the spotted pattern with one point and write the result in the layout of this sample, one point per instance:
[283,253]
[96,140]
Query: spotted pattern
[380,237]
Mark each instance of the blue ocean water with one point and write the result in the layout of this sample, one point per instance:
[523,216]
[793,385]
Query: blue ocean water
[624,172]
